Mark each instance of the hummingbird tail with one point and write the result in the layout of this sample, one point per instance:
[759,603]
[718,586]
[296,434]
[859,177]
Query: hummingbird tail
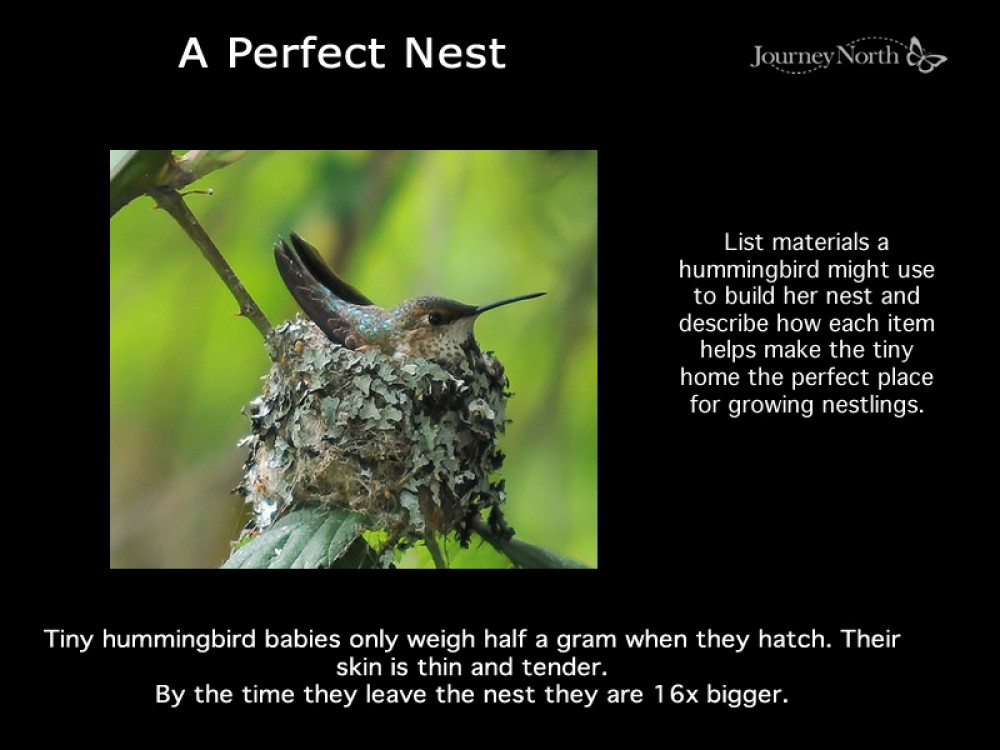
[320,302]
[313,261]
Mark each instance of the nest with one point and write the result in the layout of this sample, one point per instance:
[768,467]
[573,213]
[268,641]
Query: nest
[410,445]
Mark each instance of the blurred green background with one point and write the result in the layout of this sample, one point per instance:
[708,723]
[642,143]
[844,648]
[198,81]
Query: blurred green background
[475,226]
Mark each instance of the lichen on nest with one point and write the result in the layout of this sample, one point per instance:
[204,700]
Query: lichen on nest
[407,443]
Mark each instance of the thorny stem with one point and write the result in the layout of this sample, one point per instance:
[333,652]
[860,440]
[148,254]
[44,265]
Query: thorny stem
[171,201]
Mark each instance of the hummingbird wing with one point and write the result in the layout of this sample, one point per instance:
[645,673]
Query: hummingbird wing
[319,296]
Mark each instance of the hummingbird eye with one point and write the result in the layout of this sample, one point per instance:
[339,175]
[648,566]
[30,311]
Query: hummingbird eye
[435,319]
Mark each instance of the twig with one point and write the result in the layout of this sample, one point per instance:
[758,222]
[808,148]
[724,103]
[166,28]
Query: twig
[435,550]
[170,201]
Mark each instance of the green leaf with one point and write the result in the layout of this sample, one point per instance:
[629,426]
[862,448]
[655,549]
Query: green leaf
[134,174]
[309,537]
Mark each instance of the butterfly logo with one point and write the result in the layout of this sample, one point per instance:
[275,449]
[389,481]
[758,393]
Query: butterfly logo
[917,57]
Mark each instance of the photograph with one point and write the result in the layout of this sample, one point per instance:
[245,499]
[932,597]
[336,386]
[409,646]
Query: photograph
[353,359]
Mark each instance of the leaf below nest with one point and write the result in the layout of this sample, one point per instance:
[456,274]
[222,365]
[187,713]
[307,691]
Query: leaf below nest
[309,537]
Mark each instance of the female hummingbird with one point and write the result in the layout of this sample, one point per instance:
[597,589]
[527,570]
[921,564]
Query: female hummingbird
[434,328]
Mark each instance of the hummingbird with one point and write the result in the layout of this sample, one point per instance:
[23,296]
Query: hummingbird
[434,328]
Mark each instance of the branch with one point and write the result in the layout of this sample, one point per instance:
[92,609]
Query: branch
[138,172]
[170,201]
[522,554]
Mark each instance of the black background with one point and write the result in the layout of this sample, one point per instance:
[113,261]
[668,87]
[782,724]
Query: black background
[773,523]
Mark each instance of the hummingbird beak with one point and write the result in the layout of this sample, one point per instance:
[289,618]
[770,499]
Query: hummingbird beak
[484,308]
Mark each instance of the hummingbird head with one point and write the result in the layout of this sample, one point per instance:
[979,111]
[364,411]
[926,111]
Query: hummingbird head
[439,328]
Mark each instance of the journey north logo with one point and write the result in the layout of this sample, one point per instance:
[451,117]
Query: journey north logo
[868,50]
